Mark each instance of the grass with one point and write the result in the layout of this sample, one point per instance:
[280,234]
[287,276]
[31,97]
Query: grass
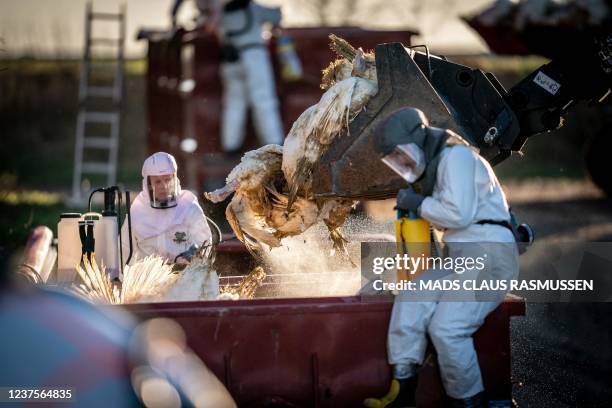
[40,198]
[34,66]
[38,111]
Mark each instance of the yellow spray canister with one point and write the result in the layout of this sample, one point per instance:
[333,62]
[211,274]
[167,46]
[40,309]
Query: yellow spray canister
[413,237]
[291,66]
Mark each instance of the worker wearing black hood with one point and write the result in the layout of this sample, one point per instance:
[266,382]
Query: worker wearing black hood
[459,194]
[409,129]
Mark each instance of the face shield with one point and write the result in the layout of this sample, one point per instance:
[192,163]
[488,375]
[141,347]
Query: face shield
[407,160]
[163,190]
[159,180]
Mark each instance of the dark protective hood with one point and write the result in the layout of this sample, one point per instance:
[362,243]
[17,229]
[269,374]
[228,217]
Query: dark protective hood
[409,125]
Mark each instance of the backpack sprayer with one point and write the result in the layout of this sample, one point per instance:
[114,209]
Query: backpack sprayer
[94,234]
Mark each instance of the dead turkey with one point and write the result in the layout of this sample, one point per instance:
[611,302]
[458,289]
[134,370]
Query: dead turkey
[272,185]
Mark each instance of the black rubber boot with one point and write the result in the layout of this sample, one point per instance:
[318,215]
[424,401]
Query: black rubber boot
[477,401]
[401,395]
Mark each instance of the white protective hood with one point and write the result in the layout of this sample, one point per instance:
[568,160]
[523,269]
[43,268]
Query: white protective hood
[147,221]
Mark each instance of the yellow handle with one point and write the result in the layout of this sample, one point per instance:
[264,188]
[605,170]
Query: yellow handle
[414,230]
[414,239]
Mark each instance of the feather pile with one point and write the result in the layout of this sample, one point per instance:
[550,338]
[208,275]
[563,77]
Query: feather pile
[198,281]
[143,281]
[272,185]
[150,279]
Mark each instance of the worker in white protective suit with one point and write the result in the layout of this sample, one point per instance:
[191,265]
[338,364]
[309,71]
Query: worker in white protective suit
[166,220]
[246,69]
[460,194]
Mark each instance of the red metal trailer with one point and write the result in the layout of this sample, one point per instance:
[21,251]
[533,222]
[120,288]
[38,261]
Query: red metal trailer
[321,352]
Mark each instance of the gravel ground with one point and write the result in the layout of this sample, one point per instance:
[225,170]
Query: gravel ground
[562,352]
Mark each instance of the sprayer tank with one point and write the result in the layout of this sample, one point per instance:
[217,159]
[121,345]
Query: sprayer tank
[68,247]
[106,248]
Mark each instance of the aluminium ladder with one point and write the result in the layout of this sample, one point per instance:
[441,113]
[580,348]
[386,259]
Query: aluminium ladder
[91,99]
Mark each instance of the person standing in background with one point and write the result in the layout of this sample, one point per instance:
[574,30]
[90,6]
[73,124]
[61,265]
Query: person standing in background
[246,69]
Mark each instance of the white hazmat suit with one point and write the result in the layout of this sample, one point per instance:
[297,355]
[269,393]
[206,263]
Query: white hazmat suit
[249,80]
[466,191]
[246,69]
[166,232]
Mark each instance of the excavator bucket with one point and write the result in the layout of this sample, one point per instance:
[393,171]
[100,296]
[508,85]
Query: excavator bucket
[452,96]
